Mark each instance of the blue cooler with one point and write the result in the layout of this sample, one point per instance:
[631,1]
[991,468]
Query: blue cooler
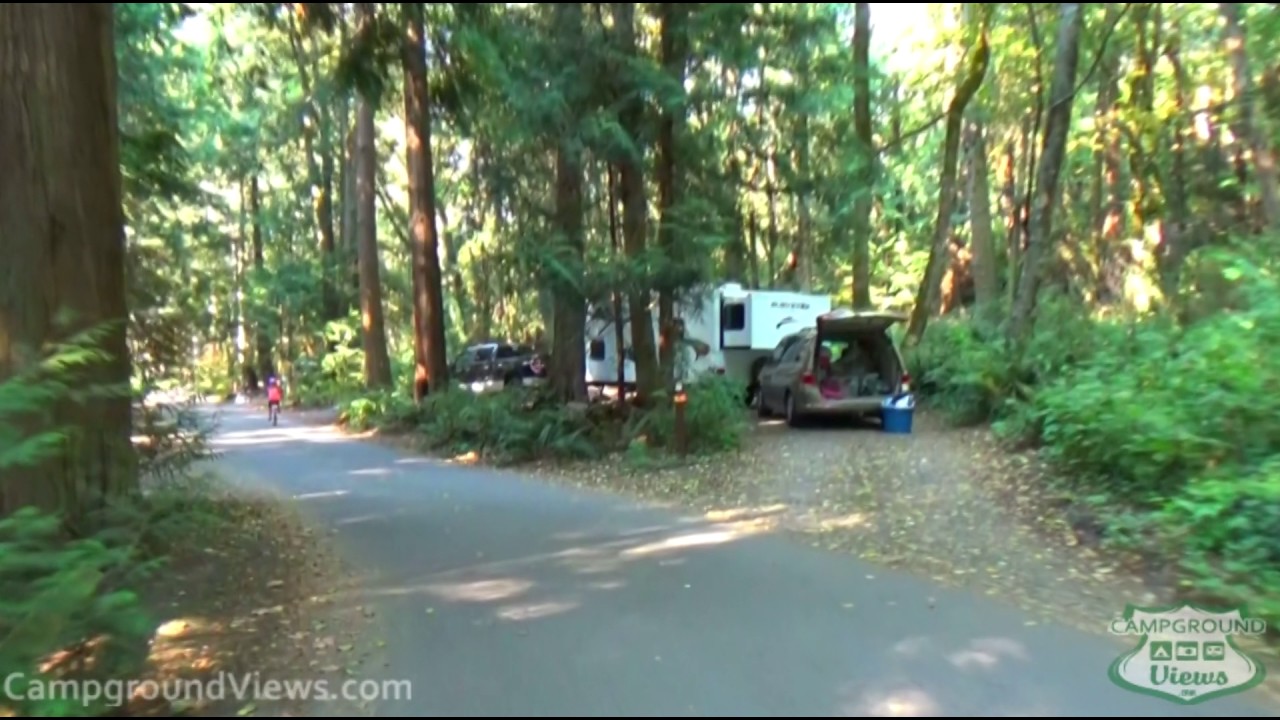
[896,414]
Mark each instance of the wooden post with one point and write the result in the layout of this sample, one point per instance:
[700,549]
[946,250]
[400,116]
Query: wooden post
[682,431]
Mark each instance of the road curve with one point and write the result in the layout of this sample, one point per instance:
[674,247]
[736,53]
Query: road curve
[501,596]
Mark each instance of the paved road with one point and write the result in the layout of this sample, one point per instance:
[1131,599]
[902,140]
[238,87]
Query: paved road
[506,597]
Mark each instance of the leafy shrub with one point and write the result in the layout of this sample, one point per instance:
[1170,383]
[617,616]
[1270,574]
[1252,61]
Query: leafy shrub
[337,376]
[968,368]
[64,613]
[523,424]
[1168,425]
[385,410]
[171,439]
[510,426]
[714,418]
[69,609]
[962,368]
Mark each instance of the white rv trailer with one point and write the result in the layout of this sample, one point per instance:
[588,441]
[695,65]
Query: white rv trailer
[742,327]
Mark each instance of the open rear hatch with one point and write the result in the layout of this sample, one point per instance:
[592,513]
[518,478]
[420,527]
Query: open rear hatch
[854,356]
[844,321]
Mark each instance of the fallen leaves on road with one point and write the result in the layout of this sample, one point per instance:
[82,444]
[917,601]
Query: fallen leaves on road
[945,503]
[252,604]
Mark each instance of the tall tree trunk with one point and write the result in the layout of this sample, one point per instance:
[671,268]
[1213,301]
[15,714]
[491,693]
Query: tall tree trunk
[1057,126]
[430,356]
[929,296]
[569,306]
[774,235]
[619,334]
[324,211]
[672,31]
[1252,123]
[63,243]
[377,363]
[264,361]
[1108,206]
[1030,136]
[862,129]
[348,273]
[1179,237]
[1142,143]
[315,125]
[1011,208]
[634,212]
[986,282]
[240,365]
[349,253]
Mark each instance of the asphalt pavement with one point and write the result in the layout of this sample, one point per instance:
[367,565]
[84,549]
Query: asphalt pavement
[502,596]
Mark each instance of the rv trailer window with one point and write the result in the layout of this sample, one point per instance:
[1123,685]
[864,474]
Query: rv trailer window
[596,350]
[733,317]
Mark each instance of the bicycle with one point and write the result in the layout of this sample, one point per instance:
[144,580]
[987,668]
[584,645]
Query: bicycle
[273,411]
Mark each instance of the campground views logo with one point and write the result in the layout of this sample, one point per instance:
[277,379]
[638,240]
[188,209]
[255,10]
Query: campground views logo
[1185,653]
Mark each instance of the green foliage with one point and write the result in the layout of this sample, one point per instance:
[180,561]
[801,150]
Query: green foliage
[522,425]
[31,394]
[173,438]
[70,608]
[505,427]
[65,597]
[335,377]
[713,417]
[1170,430]
[508,427]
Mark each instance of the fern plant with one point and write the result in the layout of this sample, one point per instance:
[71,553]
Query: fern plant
[65,608]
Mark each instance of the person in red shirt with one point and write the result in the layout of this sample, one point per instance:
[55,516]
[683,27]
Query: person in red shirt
[274,395]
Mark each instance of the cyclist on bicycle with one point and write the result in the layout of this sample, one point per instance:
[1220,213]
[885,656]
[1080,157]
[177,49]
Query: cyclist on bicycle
[274,394]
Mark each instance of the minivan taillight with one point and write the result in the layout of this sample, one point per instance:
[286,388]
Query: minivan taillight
[906,382]
[808,379]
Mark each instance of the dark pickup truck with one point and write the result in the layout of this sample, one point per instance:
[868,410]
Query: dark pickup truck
[497,365]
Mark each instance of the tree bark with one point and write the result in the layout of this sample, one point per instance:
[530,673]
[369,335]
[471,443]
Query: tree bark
[863,198]
[1057,126]
[377,363]
[672,40]
[634,214]
[929,297]
[315,126]
[263,338]
[63,243]
[619,326]
[1251,122]
[349,252]
[431,359]
[986,282]
[569,306]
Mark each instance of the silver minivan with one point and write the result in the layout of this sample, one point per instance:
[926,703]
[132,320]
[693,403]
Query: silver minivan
[847,365]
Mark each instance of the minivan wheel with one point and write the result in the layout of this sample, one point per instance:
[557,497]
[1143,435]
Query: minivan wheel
[762,410]
[792,419]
